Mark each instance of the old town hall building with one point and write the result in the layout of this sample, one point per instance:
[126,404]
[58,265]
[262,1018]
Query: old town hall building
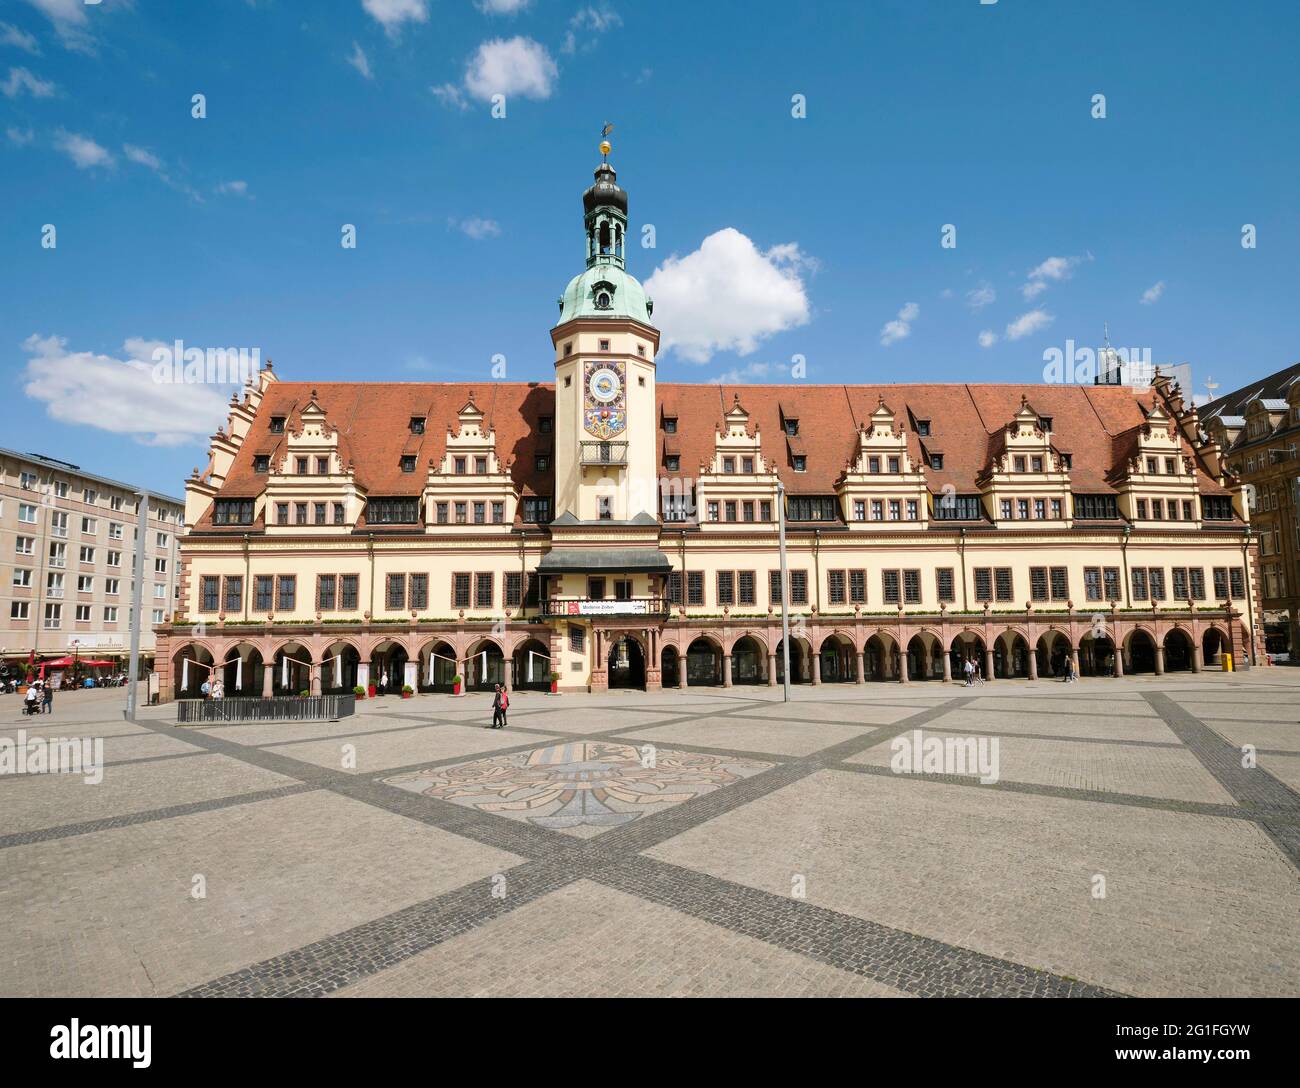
[607,530]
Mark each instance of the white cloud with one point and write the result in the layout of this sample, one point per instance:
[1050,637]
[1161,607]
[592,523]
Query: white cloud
[82,150]
[142,156]
[1028,323]
[1152,294]
[15,36]
[501,7]
[476,228]
[70,22]
[988,338]
[20,137]
[728,296]
[120,395]
[20,79]
[233,188]
[980,297]
[1052,270]
[901,327]
[450,95]
[359,61]
[591,23]
[514,66]
[391,14]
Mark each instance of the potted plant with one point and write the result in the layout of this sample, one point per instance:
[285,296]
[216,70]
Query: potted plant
[371,690]
[555,682]
[359,692]
[304,694]
[407,691]
[455,684]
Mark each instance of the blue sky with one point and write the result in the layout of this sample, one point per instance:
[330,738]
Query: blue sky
[775,236]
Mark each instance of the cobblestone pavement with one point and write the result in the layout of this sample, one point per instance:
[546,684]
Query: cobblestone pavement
[1139,837]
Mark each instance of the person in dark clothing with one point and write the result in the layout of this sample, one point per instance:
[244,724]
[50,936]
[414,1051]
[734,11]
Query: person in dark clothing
[49,698]
[497,714]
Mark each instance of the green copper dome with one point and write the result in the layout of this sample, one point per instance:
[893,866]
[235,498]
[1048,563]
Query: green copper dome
[605,290]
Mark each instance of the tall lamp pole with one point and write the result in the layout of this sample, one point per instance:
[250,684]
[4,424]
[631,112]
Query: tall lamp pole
[785,593]
[137,594]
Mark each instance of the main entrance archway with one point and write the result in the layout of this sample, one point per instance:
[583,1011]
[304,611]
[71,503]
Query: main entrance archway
[626,663]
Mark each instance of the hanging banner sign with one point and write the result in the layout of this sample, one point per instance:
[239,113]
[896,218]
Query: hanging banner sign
[606,608]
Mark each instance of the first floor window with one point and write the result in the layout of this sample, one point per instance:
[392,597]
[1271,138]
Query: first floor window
[836,587]
[726,587]
[483,591]
[287,586]
[1110,575]
[798,587]
[857,587]
[395,596]
[210,588]
[944,584]
[745,593]
[695,588]
[419,591]
[263,590]
[460,586]
[348,584]
[513,589]
[234,595]
[326,592]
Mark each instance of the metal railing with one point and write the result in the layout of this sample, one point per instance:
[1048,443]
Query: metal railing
[557,607]
[279,708]
[604,453]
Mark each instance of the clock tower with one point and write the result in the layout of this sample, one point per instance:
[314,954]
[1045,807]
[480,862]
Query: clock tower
[605,349]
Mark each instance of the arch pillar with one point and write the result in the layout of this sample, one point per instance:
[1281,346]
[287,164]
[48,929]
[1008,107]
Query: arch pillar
[816,666]
[857,668]
[1074,659]
[315,678]
[726,670]
[771,670]
[1033,663]
[903,678]
[681,668]
[947,667]
[1160,659]
[1197,655]
[988,660]
[268,677]
[1119,657]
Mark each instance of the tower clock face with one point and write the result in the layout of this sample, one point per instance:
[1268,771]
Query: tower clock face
[604,385]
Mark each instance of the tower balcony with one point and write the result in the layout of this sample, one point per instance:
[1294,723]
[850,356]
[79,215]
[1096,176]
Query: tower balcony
[604,453]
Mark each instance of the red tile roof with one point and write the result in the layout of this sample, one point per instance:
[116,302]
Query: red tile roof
[965,420]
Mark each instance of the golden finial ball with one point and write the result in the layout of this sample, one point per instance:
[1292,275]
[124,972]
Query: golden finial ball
[605,147]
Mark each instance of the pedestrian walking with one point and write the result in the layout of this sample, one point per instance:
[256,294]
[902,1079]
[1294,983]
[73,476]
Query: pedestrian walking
[969,669]
[30,703]
[48,695]
[496,707]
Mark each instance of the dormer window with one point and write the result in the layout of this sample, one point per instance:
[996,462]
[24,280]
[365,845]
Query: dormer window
[480,466]
[791,427]
[1152,468]
[322,466]
[936,461]
[873,465]
[460,466]
[1170,467]
[1067,460]
[894,466]
[262,463]
[301,464]
[800,462]
[923,428]
[1019,463]
[670,424]
[672,462]
[417,424]
[1045,423]
[603,295]
[728,464]
[542,462]
[747,465]
[277,424]
[546,424]
[1035,464]
[408,462]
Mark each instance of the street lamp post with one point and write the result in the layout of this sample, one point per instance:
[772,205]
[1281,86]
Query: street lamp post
[785,593]
[76,659]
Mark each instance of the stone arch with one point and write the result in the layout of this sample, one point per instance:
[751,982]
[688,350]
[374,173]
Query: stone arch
[243,669]
[1214,643]
[800,660]
[291,662]
[437,663]
[924,656]
[340,665]
[485,664]
[1053,651]
[1011,654]
[1180,650]
[531,657]
[187,680]
[670,660]
[967,645]
[749,659]
[838,659]
[880,656]
[704,661]
[1097,655]
[1140,650]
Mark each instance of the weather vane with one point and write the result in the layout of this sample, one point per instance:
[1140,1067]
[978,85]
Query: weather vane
[604,141]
